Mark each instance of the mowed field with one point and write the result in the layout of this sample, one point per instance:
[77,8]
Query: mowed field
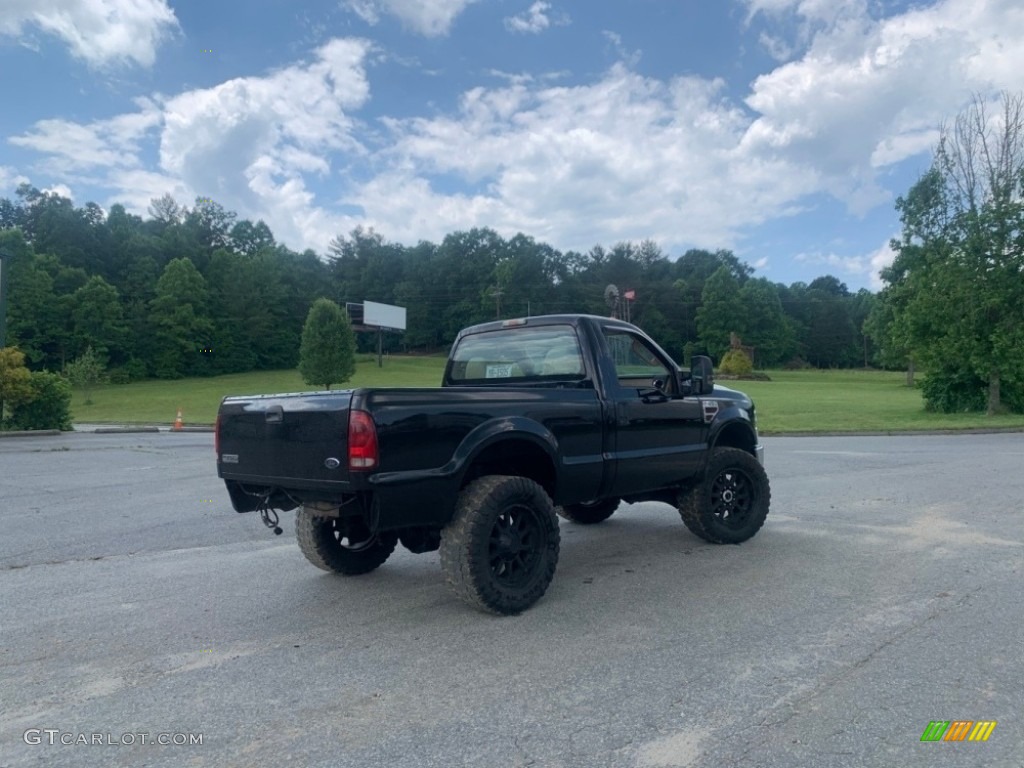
[792,402]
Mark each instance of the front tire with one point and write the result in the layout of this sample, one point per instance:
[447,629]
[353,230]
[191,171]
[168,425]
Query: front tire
[500,550]
[591,512]
[342,545]
[730,505]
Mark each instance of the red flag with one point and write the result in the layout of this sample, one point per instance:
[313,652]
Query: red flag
[630,295]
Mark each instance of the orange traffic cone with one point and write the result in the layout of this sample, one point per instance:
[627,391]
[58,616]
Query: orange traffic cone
[177,422]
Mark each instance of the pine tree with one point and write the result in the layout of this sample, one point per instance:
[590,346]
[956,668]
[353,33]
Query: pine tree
[328,351]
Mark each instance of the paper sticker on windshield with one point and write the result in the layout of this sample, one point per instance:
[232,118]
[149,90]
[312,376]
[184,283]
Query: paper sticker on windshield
[499,371]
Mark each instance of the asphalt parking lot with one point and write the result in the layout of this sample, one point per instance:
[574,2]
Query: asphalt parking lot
[883,593]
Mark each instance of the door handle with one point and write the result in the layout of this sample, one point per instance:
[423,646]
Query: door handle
[652,395]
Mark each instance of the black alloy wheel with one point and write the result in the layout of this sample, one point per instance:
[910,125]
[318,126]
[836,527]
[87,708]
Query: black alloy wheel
[344,545]
[731,503]
[500,550]
[516,545]
[732,497]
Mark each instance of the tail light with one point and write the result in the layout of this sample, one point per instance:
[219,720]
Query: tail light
[216,437]
[362,441]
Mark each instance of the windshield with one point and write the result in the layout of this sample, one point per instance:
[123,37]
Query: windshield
[520,354]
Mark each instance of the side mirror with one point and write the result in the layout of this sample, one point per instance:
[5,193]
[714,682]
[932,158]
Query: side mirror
[702,375]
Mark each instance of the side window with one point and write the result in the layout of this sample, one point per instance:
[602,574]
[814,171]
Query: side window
[636,364]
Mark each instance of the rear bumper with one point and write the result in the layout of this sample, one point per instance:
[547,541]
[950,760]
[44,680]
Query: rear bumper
[248,492]
[759,453]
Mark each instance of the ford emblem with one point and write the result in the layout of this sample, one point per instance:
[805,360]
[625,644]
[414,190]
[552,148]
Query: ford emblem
[332,463]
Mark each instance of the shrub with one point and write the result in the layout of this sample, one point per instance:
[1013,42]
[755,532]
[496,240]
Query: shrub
[736,363]
[959,391]
[50,406]
[136,369]
[86,372]
[15,380]
[133,370]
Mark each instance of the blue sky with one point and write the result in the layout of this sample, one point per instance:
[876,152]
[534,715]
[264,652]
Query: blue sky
[781,129]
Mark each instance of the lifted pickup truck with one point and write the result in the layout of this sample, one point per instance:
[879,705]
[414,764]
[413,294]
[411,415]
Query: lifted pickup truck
[569,410]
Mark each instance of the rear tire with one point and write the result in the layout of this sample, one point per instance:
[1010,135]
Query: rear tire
[730,505]
[591,512]
[342,545]
[500,550]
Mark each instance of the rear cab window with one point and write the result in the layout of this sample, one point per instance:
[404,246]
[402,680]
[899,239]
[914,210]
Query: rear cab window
[518,355]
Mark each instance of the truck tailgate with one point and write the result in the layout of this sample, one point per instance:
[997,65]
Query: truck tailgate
[287,440]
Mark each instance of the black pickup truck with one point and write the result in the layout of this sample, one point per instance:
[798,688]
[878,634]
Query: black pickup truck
[569,410]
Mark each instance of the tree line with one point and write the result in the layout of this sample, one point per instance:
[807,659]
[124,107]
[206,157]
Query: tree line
[197,291]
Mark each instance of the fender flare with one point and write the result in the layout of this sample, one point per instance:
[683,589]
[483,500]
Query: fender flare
[496,431]
[732,418]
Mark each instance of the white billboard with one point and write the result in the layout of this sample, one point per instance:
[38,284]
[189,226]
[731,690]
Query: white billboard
[383,316]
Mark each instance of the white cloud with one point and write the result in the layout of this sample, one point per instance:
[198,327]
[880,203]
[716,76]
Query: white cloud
[868,94]
[823,11]
[365,9]
[892,149]
[631,58]
[60,189]
[535,19]
[778,48]
[99,31]
[135,187]
[879,260]
[247,142]
[794,23]
[621,156]
[869,265]
[626,157]
[427,17]
[10,179]
[850,265]
[105,143]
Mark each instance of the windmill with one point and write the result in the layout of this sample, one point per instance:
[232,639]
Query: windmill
[611,298]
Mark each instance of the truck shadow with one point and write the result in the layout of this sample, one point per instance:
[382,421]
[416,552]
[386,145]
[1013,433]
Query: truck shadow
[644,550]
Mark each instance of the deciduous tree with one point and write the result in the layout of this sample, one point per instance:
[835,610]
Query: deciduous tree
[99,321]
[86,372]
[180,321]
[958,277]
[721,312]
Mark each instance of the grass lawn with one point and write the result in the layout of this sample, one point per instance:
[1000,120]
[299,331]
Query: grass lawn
[850,401]
[793,401]
[157,401]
